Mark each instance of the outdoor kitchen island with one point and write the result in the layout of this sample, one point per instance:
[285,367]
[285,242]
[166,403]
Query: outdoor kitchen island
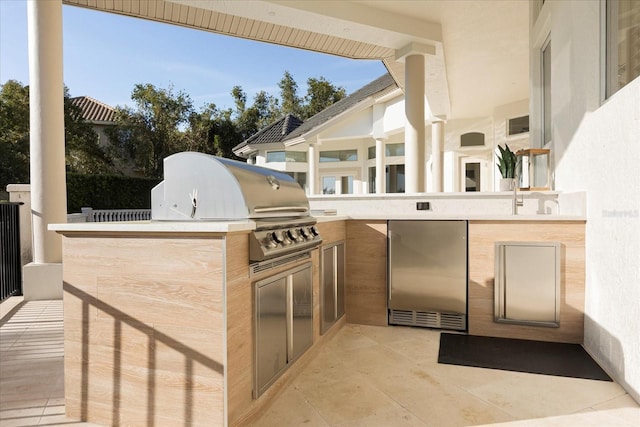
[159,322]
[159,316]
[197,316]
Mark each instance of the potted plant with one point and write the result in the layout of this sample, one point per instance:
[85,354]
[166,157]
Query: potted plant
[507,165]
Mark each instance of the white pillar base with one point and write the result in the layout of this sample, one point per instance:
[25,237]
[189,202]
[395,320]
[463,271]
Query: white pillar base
[42,281]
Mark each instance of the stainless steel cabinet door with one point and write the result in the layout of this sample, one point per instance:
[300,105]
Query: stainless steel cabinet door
[327,301]
[271,331]
[340,275]
[331,285]
[527,287]
[284,323]
[301,312]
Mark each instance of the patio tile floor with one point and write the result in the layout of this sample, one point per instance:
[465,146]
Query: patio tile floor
[365,376]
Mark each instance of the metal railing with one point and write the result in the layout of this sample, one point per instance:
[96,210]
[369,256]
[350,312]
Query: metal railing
[10,265]
[110,215]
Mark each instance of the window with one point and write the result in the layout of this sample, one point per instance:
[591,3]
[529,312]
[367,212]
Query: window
[337,185]
[286,156]
[372,180]
[252,159]
[395,179]
[472,176]
[622,43]
[300,177]
[275,156]
[346,184]
[338,156]
[390,150]
[546,93]
[328,185]
[296,156]
[472,139]
[394,149]
[517,125]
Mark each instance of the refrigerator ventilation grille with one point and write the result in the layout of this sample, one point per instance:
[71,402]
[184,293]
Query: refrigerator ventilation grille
[428,319]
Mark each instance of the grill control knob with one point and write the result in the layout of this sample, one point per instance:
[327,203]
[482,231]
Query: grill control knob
[293,235]
[304,233]
[277,237]
[314,231]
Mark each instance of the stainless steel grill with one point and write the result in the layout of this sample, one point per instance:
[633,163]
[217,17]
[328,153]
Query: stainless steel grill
[201,187]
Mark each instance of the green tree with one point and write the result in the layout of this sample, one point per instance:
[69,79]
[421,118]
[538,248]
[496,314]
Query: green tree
[291,103]
[249,120]
[14,134]
[212,131]
[320,94]
[144,136]
[199,136]
[82,151]
[225,135]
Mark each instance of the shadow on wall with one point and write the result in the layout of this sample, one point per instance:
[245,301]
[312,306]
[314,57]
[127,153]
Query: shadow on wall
[154,373]
[608,352]
[547,203]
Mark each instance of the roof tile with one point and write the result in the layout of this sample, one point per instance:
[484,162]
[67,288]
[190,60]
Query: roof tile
[275,132]
[94,110]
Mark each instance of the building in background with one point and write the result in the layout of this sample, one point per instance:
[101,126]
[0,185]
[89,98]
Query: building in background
[99,114]
[338,145]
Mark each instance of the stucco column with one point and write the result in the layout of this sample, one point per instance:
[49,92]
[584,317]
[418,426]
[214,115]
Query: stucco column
[47,166]
[379,135]
[437,156]
[380,171]
[413,55]
[414,124]
[313,170]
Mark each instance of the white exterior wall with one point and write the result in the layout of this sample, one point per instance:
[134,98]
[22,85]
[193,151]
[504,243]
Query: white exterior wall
[355,126]
[597,148]
[394,116]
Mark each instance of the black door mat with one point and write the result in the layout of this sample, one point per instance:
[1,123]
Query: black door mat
[535,357]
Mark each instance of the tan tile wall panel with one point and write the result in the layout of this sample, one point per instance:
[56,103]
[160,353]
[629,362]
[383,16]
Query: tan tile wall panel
[482,238]
[239,326]
[330,232]
[366,282]
[151,349]
[237,256]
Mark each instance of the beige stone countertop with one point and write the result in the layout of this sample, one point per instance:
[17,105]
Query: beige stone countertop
[331,218]
[156,227]
[246,226]
[431,216]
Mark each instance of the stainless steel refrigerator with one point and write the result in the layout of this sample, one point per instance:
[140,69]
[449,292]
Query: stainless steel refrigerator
[427,273]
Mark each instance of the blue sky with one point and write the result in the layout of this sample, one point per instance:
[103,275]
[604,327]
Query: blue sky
[105,55]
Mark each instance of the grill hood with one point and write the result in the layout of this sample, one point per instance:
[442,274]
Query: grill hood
[203,187]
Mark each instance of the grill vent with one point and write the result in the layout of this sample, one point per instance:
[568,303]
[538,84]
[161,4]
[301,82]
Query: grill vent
[428,319]
[261,267]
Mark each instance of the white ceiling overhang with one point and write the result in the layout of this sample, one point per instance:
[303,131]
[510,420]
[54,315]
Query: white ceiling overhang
[481,47]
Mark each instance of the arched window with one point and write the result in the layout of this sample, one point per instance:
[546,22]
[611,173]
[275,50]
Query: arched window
[472,139]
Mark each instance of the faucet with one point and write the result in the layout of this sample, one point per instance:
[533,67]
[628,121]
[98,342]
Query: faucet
[516,202]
